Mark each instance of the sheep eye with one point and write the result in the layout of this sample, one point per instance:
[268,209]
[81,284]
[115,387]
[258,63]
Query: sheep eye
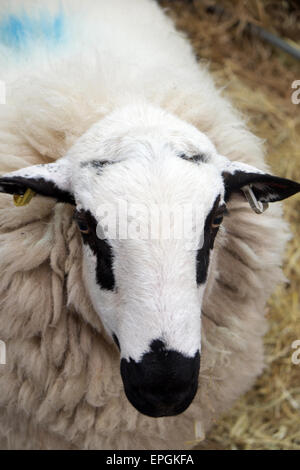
[81,223]
[83,226]
[217,221]
[218,217]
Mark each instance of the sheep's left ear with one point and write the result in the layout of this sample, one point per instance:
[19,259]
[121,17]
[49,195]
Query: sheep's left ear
[254,184]
[51,180]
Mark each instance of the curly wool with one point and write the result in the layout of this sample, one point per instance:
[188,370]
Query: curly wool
[61,387]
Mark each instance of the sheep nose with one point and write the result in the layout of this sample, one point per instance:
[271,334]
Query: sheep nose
[163,383]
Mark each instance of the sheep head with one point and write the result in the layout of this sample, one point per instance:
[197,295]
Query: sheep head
[146,272]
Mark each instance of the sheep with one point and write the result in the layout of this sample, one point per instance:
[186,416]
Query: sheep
[107,103]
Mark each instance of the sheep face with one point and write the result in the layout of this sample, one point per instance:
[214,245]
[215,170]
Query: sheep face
[147,285]
[150,193]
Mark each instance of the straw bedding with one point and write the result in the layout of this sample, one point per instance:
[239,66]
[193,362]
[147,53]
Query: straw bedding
[258,79]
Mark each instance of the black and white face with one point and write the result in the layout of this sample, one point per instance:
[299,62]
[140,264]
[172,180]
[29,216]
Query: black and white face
[148,290]
[147,285]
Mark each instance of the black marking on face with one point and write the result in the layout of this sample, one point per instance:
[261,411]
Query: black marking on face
[19,185]
[163,383]
[195,158]
[101,249]
[211,228]
[115,338]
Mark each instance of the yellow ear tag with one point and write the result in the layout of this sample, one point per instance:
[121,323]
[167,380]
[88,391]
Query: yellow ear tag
[23,200]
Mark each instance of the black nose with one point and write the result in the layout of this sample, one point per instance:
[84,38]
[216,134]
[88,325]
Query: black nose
[163,383]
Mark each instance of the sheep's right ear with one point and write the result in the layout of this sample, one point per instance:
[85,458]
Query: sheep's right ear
[51,180]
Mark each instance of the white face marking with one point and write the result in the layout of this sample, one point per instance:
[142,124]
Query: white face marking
[156,295]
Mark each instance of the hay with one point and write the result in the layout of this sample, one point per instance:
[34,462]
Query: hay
[258,79]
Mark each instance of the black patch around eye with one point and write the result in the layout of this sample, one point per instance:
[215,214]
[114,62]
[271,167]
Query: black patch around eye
[219,215]
[203,254]
[101,249]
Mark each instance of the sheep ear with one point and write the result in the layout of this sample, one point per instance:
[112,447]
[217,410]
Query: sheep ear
[51,180]
[256,185]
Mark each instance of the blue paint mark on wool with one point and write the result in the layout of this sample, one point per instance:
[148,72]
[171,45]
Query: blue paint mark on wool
[18,31]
